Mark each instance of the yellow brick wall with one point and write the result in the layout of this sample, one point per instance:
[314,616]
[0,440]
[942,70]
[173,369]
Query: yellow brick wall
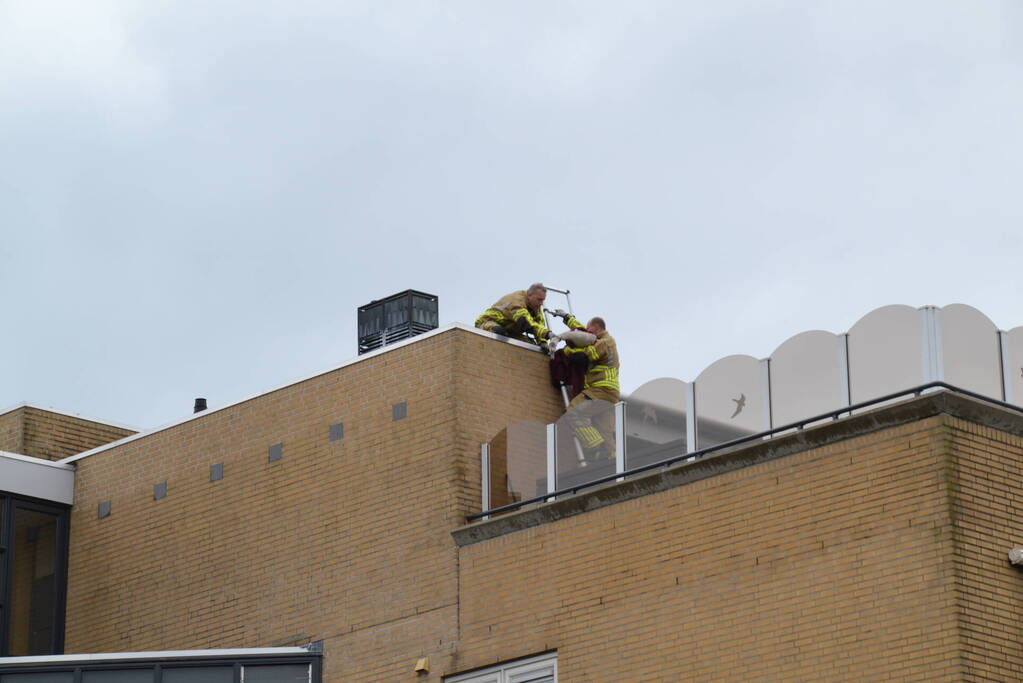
[832,564]
[52,436]
[11,430]
[346,542]
[840,562]
[486,404]
[987,499]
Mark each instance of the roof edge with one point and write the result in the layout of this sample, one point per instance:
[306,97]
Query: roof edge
[36,461]
[253,652]
[306,378]
[66,413]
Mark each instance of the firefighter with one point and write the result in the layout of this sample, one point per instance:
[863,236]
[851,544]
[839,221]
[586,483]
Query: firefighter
[594,421]
[517,314]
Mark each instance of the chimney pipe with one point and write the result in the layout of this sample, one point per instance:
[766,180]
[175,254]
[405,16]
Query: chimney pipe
[200,405]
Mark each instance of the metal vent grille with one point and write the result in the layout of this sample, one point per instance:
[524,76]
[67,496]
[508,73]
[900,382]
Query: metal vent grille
[396,318]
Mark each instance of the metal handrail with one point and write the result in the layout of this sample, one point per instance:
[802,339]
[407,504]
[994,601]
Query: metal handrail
[696,455]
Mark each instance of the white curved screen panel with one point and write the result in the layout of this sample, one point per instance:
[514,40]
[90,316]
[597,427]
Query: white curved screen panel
[730,400]
[969,350]
[808,376]
[886,352]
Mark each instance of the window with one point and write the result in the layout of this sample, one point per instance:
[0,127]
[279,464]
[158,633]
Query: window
[33,570]
[542,669]
[228,666]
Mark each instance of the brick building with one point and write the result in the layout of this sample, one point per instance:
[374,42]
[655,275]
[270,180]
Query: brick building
[332,527]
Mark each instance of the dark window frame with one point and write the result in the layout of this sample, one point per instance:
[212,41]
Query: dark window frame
[9,506]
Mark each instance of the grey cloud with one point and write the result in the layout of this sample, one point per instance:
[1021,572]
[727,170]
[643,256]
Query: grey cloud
[195,197]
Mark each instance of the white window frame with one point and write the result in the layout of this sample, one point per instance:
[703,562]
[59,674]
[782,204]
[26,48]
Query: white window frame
[505,673]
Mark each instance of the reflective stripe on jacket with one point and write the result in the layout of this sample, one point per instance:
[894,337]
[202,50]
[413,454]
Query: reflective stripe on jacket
[511,308]
[574,324]
[602,375]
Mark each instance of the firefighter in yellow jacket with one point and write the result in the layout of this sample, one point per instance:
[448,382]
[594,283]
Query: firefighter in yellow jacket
[595,423]
[516,314]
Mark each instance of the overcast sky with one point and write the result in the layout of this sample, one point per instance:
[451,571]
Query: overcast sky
[195,197]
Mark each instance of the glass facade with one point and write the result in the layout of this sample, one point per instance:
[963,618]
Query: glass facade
[199,674]
[303,668]
[33,569]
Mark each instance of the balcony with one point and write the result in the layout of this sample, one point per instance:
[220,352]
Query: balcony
[815,377]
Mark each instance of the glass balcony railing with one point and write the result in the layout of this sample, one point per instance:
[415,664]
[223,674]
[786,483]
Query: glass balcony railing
[882,358]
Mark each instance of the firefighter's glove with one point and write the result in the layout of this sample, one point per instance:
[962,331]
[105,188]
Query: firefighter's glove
[552,344]
[561,313]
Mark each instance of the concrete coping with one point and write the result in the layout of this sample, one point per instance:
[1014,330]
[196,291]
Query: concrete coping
[944,402]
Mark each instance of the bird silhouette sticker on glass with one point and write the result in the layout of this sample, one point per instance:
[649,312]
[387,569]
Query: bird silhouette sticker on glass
[740,403]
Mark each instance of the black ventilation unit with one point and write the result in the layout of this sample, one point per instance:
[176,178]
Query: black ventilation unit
[397,317]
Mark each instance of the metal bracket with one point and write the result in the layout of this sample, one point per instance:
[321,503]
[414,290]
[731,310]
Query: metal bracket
[485,474]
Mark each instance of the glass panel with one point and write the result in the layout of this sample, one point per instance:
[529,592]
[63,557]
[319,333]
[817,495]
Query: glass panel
[276,673]
[585,447]
[806,377]
[371,320]
[48,677]
[424,311]
[199,674]
[518,463]
[33,583]
[118,676]
[1014,362]
[3,572]
[655,419]
[885,353]
[729,401]
[478,678]
[545,675]
[500,488]
[969,350]
[395,312]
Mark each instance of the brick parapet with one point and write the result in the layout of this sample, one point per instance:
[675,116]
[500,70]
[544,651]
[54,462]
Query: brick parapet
[52,435]
[833,563]
[831,554]
[12,431]
[986,495]
[343,541]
